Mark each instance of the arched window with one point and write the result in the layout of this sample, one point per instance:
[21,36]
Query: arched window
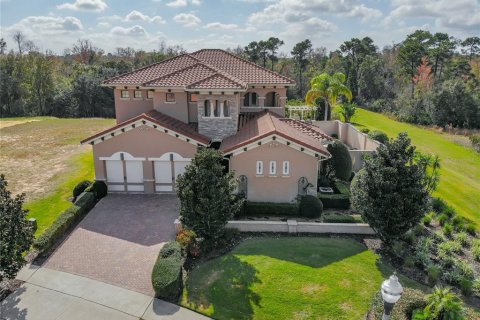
[271,99]
[226,109]
[206,107]
[250,99]
[216,110]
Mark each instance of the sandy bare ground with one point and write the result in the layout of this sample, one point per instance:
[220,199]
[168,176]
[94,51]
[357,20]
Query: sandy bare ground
[11,123]
[36,155]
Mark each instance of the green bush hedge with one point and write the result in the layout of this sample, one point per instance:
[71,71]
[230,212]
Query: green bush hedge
[340,160]
[341,218]
[270,208]
[65,222]
[337,200]
[379,136]
[167,272]
[310,207]
[80,187]
[99,189]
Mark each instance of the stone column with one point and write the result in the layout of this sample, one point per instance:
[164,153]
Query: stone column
[212,108]
[221,110]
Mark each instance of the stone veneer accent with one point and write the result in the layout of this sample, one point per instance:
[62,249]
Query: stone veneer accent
[217,128]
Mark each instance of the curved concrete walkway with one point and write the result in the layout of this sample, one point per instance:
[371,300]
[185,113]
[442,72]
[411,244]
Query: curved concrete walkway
[56,295]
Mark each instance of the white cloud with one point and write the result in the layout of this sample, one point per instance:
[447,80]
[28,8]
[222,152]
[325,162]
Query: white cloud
[135,31]
[301,10]
[84,5]
[48,25]
[138,16]
[182,3]
[187,19]
[219,25]
[455,15]
[177,3]
[103,24]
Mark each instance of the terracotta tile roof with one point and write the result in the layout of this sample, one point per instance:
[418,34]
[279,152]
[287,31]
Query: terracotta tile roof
[216,81]
[175,125]
[219,69]
[240,68]
[266,124]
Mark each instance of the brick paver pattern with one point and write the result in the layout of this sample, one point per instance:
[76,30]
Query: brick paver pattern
[119,240]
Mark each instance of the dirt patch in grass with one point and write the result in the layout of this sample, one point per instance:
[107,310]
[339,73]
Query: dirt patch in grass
[35,153]
[11,123]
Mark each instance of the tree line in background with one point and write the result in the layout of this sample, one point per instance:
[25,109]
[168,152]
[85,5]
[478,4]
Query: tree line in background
[426,79]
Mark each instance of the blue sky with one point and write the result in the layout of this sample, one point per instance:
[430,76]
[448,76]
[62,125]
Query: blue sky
[196,24]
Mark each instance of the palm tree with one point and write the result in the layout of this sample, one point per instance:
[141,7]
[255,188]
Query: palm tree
[328,87]
[347,111]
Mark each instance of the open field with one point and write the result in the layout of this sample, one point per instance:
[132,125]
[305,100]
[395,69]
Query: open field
[289,278]
[460,172]
[43,158]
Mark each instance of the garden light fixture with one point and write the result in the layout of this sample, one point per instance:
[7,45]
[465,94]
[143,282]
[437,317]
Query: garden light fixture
[391,292]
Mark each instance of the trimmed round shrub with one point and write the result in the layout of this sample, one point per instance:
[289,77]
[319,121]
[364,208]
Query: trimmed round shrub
[364,130]
[378,135]
[311,207]
[99,188]
[340,160]
[80,187]
[167,272]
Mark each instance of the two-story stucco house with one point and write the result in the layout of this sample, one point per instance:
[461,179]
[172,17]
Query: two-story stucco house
[210,97]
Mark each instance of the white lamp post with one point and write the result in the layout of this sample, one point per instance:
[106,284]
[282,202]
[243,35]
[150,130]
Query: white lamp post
[391,291]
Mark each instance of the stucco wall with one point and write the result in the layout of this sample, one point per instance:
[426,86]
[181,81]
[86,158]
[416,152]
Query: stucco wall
[142,141]
[177,109]
[127,108]
[279,188]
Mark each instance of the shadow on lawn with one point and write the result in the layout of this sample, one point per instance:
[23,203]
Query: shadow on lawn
[225,288]
[309,251]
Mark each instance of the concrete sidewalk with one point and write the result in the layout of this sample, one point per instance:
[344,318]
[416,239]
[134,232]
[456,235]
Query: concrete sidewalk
[51,294]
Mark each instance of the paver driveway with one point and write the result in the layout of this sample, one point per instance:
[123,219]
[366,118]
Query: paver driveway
[119,240]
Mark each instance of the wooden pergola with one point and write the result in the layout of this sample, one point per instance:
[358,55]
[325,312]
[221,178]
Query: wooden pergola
[302,109]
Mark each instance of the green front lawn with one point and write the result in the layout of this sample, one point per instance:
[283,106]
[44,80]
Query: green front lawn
[460,172]
[49,207]
[288,278]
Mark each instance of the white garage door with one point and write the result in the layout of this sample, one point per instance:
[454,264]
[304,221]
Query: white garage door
[115,177]
[167,168]
[134,170]
[124,172]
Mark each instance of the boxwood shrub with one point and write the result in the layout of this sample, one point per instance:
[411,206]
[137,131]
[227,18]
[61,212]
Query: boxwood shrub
[167,272]
[65,222]
[270,208]
[378,135]
[337,200]
[310,207]
[80,187]
[99,189]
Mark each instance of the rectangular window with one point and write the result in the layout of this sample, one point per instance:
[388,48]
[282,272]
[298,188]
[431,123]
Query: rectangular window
[259,167]
[137,94]
[124,94]
[149,94]
[170,97]
[286,168]
[193,97]
[273,167]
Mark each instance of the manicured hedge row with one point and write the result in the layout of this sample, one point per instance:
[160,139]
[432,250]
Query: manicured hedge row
[270,208]
[337,200]
[167,272]
[341,218]
[65,222]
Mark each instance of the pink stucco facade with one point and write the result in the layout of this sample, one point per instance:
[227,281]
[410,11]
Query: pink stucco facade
[141,142]
[274,187]
[127,108]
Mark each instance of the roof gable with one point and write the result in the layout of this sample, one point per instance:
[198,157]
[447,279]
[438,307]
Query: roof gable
[267,126]
[156,120]
[217,68]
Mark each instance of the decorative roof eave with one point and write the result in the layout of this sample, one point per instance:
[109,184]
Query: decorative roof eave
[135,123]
[216,89]
[271,85]
[281,138]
